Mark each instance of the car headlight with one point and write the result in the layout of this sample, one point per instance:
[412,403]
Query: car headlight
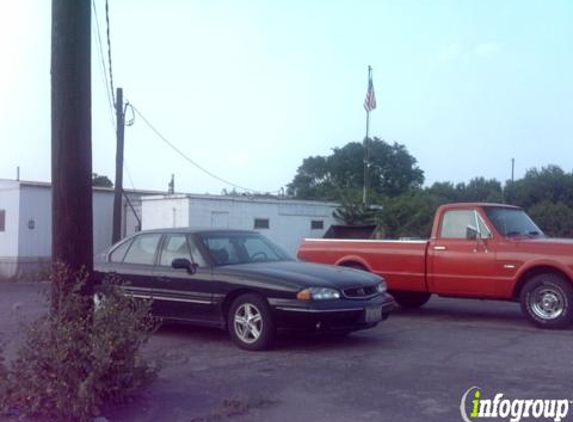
[318,293]
[382,287]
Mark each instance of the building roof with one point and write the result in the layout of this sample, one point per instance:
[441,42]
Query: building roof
[151,195]
[47,185]
[241,198]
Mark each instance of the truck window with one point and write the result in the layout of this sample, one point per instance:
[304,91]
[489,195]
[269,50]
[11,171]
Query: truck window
[455,223]
[484,230]
[512,222]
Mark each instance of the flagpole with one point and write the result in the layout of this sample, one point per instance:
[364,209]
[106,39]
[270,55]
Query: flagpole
[366,152]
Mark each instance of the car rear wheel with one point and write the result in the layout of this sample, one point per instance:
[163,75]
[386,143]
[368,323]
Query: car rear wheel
[546,300]
[250,322]
[411,300]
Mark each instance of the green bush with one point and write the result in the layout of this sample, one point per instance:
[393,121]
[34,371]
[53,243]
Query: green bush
[76,359]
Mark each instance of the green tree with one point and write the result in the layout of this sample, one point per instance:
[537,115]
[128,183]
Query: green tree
[549,183]
[355,213]
[410,214]
[392,171]
[446,190]
[554,218]
[101,181]
[480,189]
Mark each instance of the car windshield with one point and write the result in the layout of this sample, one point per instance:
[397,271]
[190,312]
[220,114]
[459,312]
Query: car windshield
[512,222]
[241,248]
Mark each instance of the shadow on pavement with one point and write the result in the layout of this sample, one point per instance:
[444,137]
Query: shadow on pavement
[468,310]
[286,341]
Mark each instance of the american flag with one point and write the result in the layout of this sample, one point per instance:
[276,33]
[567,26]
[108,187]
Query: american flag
[370,100]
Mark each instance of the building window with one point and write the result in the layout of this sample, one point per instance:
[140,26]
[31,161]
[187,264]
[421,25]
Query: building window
[262,223]
[2,220]
[317,225]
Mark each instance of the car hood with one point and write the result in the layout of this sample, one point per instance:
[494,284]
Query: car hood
[302,274]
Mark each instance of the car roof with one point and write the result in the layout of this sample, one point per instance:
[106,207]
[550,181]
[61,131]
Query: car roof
[192,230]
[178,230]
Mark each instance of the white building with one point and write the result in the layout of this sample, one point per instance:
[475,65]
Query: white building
[285,221]
[26,224]
[26,219]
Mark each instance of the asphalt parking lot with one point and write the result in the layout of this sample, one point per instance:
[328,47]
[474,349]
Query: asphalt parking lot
[414,367]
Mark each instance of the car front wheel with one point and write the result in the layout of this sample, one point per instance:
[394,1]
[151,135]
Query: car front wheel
[250,322]
[547,300]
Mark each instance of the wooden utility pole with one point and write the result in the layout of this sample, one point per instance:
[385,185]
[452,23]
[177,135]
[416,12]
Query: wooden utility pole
[72,215]
[117,200]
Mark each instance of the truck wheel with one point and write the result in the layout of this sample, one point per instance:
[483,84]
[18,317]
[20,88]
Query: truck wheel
[250,322]
[546,300]
[411,300]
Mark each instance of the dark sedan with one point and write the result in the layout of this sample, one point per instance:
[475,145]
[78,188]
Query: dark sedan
[242,282]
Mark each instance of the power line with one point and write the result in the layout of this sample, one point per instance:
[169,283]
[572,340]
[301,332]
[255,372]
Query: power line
[134,109]
[105,81]
[128,175]
[182,154]
[109,50]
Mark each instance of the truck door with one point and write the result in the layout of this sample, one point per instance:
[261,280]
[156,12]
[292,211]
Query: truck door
[461,260]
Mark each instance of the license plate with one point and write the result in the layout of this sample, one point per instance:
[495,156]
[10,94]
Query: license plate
[373,314]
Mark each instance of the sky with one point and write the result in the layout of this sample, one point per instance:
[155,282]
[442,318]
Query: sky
[249,88]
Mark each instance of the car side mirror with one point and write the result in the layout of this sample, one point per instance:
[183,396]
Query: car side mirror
[184,263]
[471,233]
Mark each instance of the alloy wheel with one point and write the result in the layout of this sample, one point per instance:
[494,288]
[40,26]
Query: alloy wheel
[248,323]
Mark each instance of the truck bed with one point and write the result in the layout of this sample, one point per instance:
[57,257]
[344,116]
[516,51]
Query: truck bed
[401,262]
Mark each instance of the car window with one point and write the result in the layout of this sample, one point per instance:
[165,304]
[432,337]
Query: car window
[222,250]
[174,247]
[142,250]
[240,248]
[455,223]
[196,254]
[258,250]
[179,246]
[118,253]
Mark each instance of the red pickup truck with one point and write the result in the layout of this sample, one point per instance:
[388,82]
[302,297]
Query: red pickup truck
[476,250]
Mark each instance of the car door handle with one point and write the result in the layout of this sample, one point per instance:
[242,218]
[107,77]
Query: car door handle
[162,279]
[440,248]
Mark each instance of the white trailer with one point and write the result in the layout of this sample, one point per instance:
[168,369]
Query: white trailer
[26,224]
[285,221]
